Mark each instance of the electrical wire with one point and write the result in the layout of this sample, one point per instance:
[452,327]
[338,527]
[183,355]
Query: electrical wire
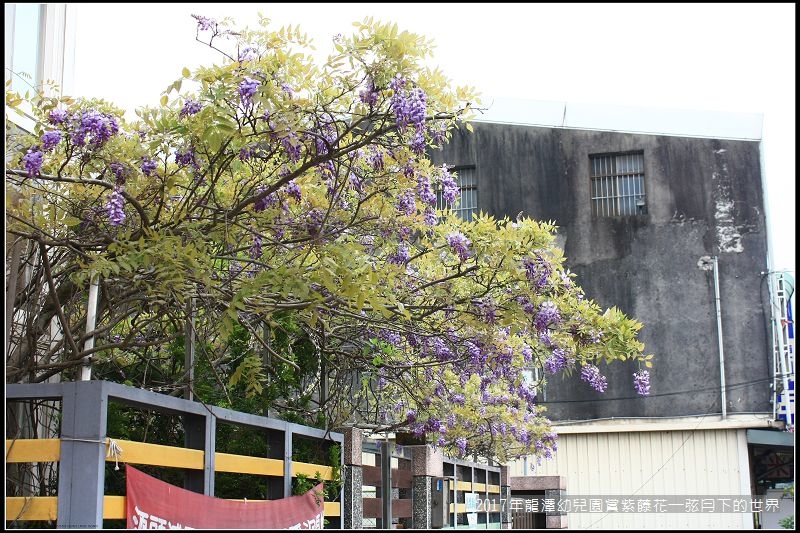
[667,461]
[732,386]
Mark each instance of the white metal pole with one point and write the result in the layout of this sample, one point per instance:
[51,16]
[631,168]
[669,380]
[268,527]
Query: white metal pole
[189,357]
[91,321]
[719,339]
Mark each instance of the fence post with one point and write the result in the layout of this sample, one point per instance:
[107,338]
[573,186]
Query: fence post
[82,465]
[353,498]
[287,461]
[505,496]
[426,464]
[200,434]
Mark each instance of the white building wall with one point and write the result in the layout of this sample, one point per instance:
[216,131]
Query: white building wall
[644,463]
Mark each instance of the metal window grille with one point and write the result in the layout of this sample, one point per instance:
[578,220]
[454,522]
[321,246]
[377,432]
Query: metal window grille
[467,202]
[618,185]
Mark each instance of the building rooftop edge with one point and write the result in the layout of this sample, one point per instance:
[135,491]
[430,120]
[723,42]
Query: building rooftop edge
[624,119]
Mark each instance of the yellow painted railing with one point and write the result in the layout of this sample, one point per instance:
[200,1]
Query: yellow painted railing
[464,486]
[33,450]
[46,507]
[49,450]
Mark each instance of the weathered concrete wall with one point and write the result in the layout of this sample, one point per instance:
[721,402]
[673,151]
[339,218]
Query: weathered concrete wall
[704,198]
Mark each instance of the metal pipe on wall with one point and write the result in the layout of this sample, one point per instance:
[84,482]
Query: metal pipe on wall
[719,340]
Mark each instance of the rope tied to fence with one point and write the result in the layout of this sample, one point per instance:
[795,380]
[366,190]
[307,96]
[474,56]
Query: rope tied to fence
[114,451]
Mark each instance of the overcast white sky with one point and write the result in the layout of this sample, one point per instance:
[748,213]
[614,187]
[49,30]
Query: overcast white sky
[712,57]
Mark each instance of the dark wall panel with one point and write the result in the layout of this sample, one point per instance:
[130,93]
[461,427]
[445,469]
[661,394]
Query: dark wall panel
[704,198]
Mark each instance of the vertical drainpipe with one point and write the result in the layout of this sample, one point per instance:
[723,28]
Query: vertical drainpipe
[719,339]
[91,321]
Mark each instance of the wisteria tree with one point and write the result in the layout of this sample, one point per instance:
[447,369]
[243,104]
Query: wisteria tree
[287,211]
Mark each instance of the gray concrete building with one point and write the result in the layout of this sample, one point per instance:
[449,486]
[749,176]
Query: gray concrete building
[641,218]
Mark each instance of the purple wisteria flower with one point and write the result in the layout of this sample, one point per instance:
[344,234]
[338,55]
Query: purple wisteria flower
[527,353]
[205,23]
[247,88]
[119,172]
[98,126]
[248,53]
[434,425]
[185,158]
[641,382]
[537,270]
[438,134]
[292,145]
[411,415]
[255,248]
[391,337]
[190,107]
[270,200]
[401,256]
[376,159]
[285,87]
[460,244]
[461,444]
[406,203]
[293,190]
[425,190]
[399,102]
[356,182]
[409,109]
[114,207]
[418,142]
[440,349]
[527,305]
[431,218]
[449,186]
[33,160]
[558,361]
[51,139]
[148,166]
[314,221]
[487,309]
[417,106]
[548,314]
[544,338]
[246,153]
[369,95]
[591,375]
[57,116]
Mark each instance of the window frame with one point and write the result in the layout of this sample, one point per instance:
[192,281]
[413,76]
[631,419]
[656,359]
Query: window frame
[459,211]
[628,194]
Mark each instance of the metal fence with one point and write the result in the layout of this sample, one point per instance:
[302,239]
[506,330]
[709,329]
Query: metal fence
[84,447]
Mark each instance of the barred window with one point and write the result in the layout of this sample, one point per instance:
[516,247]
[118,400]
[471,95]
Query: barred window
[467,202]
[618,184]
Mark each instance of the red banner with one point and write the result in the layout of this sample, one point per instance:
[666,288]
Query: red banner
[153,504]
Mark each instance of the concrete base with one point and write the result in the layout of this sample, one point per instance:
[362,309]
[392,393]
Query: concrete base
[422,502]
[556,522]
[352,498]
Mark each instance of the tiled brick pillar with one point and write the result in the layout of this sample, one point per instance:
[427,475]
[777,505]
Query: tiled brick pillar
[353,481]
[426,464]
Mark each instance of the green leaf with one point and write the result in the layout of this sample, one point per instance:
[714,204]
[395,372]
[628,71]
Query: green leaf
[186,72]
